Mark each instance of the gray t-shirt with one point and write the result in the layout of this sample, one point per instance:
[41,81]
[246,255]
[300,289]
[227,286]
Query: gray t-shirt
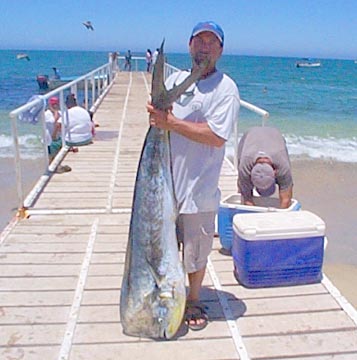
[195,166]
[263,141]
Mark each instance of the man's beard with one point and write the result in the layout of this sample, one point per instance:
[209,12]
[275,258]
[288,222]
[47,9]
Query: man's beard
[201,58]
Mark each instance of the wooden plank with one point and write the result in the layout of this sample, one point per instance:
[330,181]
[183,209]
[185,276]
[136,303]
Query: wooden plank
[104,282]
[102,297]
[34,315]
[266,293]
[284,305]
[31,334]
[48,352]
[35,298]
[283,347]
[113,269]
[39,283]
[294,323]
[210,349]
[60,258]
[38,270]
[38,248]
[112,332]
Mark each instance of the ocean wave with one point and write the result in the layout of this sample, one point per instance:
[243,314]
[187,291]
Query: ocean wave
[314,147]
[31,146]
[342,150]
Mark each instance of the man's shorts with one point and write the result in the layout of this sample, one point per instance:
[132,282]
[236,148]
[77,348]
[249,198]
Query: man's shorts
[80,143]
[55,147]
[196,232]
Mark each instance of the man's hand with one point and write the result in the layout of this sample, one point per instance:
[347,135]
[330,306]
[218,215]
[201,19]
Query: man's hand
[159,118]
[56,115]
[198,132]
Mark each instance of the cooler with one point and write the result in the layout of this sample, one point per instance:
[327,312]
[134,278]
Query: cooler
[278,248]
[231,205]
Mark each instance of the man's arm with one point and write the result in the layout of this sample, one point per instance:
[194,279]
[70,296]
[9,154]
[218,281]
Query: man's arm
[198,132]
[57,124]
[246,192]
[285,197]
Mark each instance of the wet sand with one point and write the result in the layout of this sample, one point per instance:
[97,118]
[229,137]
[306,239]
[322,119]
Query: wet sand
[326,188]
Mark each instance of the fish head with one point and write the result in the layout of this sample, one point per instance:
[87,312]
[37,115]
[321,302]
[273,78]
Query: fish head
[169,310]
[158,315]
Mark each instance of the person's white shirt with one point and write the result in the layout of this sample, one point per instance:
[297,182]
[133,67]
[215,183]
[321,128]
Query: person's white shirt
[79,125]
[50,126]
[154,57]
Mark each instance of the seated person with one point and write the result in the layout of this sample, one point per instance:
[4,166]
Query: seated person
[263,162]
[53,127]
[53,131]
[80,125]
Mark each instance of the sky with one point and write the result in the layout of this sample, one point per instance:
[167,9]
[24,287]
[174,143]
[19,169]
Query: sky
[293,28]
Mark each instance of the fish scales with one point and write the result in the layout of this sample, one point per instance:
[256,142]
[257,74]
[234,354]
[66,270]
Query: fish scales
[153,293]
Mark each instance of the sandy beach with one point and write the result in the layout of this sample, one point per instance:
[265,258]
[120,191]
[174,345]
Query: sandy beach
[325,188]
[328,189]
[31,171]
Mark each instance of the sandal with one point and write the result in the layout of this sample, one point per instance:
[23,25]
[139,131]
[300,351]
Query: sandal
[195,311]
[62,169]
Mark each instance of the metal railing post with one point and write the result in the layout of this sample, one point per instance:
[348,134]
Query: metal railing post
[86,94]
[17,159]
[44,136]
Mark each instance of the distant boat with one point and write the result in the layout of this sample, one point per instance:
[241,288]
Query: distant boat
[308,63]
[22,56]
[46,83]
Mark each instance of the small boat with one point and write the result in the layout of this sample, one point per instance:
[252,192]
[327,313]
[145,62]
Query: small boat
[46,83]
[49,83]
[307,63]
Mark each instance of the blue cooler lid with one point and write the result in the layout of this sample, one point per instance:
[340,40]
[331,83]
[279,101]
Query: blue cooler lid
[278,225]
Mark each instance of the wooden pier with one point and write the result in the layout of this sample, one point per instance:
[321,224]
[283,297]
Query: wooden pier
[61,269]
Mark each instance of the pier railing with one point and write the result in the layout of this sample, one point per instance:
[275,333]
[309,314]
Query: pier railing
[138,63]
[89,90]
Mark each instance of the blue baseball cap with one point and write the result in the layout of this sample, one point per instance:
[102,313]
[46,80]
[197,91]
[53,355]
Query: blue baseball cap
[211,27]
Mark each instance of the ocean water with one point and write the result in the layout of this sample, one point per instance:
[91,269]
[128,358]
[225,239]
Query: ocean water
[18,84]
[315,108]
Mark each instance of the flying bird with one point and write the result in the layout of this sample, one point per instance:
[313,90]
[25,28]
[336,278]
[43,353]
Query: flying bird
[88,25]
[22,56]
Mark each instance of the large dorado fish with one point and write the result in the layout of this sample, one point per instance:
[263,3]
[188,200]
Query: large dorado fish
[153,294]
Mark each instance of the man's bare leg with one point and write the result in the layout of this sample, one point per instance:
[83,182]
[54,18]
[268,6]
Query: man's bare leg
[195,283]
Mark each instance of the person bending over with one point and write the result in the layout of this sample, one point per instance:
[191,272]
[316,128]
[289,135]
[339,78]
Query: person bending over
[263,163]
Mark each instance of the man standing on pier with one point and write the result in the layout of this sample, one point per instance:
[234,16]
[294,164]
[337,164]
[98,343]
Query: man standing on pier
[200,123]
